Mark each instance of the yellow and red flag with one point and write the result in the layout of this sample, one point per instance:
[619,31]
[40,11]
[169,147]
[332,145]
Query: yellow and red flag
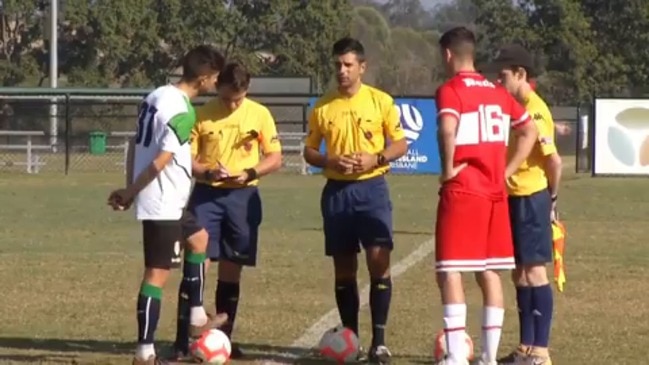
[558,248]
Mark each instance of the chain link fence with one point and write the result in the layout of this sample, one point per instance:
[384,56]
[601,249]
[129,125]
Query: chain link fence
[89,133]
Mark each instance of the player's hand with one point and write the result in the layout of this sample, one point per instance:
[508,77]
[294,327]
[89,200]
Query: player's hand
[343,164]
[241,179]
[219,173]
[554,213]
[364,161]
[448,175]
[120,200]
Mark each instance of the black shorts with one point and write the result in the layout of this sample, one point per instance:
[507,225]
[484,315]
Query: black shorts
[163,240]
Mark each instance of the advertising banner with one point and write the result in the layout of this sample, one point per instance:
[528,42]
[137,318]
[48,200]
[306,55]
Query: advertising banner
[621,137]
[419,121]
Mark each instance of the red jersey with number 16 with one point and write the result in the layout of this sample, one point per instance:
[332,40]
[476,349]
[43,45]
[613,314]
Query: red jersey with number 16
[485,112]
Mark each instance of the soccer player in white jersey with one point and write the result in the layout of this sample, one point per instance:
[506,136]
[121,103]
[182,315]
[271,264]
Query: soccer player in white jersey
[159,181]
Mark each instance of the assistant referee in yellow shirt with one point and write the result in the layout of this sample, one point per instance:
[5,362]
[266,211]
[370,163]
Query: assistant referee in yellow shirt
[533,190]
[354,121]
[230,134]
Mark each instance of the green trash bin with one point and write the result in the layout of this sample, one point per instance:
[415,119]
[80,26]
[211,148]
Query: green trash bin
[97,143]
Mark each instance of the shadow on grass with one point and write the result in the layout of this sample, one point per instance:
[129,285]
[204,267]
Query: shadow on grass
[63,345]
[396,231]
[59,348]
[38,359]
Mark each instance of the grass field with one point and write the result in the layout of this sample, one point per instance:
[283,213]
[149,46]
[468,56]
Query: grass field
[70,268]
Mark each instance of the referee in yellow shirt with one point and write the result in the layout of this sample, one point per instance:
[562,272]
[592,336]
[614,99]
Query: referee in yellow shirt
[230,133]
[533,190]
[354,121]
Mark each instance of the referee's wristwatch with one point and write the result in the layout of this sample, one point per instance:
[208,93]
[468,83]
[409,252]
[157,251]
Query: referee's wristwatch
[380,159]
[554,197]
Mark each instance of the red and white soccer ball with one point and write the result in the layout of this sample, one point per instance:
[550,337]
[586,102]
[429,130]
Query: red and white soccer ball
[339,344]
[213,347]
[440,346]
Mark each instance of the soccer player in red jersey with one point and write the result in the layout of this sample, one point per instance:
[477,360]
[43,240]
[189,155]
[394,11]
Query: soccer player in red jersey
[473,230]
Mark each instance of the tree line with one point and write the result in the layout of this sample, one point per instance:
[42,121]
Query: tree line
[585,48]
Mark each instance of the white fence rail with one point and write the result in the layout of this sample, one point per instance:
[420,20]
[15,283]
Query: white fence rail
[29,154]
[32,160]
[293,148]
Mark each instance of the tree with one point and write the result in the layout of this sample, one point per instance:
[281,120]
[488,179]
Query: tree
[371,28]
[406,13]
[308,32]
[621,31]
[22,56]
[416,63]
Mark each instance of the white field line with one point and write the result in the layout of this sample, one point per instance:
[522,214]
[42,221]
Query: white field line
[312,335]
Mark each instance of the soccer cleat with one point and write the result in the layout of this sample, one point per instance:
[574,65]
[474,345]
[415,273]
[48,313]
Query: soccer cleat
[380,355]
[362,355]
[538,358]
[516,357]
[486,362]
[152,360]
[213,321]
[448,361]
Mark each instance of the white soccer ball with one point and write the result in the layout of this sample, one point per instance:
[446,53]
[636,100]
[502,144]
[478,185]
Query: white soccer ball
[440,350]
[213,347]
[339,344]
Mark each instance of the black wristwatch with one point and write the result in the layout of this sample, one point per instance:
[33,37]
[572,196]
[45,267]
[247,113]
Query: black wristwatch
[554,197]
[380,159]
[252,174]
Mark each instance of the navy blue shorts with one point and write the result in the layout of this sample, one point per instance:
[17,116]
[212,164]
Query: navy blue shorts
[231,217]
[356,213]
[531,227]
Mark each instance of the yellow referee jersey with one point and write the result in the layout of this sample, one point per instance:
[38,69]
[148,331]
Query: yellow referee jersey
[236,138]
[530,177]
[354,124]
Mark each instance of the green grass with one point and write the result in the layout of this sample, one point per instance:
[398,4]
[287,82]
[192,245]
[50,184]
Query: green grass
[70,269]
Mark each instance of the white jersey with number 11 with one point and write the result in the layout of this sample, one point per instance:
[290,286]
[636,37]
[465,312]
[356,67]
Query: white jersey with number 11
[165,120]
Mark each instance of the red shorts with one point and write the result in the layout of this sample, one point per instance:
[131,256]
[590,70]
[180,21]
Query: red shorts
[472,233]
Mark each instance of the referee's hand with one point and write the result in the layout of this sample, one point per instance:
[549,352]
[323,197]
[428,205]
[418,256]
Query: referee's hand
[343,164]
[554,213]
[220,173]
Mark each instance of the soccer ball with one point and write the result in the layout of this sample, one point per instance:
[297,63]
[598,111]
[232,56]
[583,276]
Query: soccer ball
[213,347]
[440,346]
[339,344]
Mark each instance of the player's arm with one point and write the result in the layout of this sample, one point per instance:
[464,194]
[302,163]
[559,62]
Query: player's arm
[175,135]
[271,146]
[198,169]
[312,143]
[553,163]
[448,118]
[130,159]
[398,145]
[526,136]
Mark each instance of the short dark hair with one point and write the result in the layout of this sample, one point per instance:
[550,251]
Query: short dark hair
[349,45]
[459,40]
[515,56]
[234,75]
[201,61]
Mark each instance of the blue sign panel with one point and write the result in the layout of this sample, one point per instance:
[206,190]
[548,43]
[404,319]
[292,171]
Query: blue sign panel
[419,122]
